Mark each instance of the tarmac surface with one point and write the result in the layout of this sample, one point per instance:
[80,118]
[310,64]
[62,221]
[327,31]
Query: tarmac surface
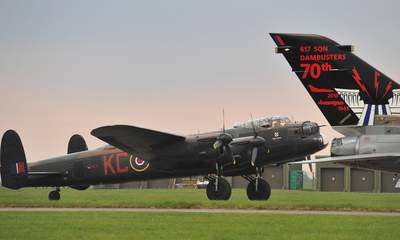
[204,210]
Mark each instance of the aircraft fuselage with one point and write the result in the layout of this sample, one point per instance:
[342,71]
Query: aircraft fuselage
[194,156]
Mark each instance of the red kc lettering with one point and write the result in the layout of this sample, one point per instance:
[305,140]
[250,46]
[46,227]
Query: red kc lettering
[107,163]
[112,163]
[118,157]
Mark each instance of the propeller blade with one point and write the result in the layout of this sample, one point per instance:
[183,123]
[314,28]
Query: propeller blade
[310,167]
[223,120]
[227,151]
[254,153]
[222,142]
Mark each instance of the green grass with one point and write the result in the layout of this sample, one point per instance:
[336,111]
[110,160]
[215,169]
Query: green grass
[140,225]
[193,198]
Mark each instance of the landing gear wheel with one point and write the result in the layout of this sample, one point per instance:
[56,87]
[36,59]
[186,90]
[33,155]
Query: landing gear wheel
[54,195]
[224,190]
[263,190]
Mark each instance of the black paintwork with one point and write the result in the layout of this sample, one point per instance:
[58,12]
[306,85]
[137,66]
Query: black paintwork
[345,71]
[193,156]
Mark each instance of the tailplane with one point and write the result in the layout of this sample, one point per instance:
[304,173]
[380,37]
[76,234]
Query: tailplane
[14,171]
[347,90]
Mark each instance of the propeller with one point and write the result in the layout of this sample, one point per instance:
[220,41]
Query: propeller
[256,142]
[222,141]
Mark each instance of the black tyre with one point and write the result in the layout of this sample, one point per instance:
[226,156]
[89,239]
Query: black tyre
[224,190]
[263,193]
[54,195]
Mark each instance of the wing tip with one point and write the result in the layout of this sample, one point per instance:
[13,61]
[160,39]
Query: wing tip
[98,132]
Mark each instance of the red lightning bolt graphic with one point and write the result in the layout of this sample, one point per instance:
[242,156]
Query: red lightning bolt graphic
[387,88]
[357,79]
[376,83]
[279,39]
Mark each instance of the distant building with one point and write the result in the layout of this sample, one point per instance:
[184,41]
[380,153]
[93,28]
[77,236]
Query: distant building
[339,178]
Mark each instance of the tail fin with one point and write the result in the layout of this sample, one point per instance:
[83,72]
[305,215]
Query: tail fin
[347,90]
[76,144]
[14,171]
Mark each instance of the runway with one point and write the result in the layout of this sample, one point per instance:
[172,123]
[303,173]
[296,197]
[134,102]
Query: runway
[205,210]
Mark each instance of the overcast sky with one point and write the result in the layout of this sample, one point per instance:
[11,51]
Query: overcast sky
[70,66]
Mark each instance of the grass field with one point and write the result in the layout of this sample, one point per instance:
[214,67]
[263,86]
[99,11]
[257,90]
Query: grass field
[193,198]
[158,225]
[124,225]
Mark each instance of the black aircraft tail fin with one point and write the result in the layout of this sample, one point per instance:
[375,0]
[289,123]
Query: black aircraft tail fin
[76,144]
[14,170]
[347,90]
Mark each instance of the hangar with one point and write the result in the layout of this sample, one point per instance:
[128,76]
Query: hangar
[339,178]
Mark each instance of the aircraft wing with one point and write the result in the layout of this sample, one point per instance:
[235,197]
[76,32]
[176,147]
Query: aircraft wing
[352,158]
[135,139]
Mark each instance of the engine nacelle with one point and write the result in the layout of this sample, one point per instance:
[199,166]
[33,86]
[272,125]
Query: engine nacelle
[344,146]
[309,128]
[365,144]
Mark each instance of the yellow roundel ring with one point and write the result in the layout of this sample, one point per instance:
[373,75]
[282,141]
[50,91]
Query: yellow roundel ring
[138,164]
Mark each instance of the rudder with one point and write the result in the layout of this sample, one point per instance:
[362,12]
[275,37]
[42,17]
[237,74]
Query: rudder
[14,171]
[76,144]
[347,90]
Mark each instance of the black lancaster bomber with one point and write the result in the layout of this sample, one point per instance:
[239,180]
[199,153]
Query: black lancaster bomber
[136,153]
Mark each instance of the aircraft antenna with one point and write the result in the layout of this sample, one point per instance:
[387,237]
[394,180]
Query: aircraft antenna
[223,120]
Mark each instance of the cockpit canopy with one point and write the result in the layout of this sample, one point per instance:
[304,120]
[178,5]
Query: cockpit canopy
[264,122]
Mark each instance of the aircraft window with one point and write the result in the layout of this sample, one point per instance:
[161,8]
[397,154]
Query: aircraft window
[264,122]
[278,123]
[338,141]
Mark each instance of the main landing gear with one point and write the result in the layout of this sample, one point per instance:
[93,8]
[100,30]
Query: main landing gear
[258,188]
[222,191]
[218,188]
[55,194]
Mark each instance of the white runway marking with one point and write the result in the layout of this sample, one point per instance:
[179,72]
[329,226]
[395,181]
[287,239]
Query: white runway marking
[204,210]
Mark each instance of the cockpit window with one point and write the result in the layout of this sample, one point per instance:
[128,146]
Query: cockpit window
[280,122]
[264,122]
[337,142]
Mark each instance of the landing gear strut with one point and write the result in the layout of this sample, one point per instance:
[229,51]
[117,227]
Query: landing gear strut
[258,188]
[218,188]
[55,194]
